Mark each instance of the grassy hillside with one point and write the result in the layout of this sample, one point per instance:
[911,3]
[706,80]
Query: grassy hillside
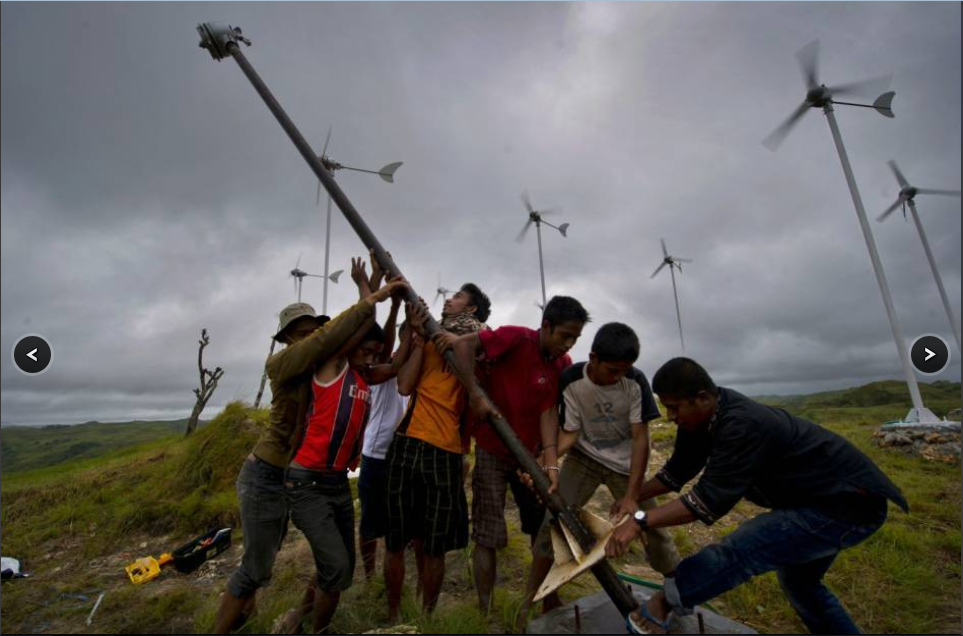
[31,447]
[77,524]
[940,397]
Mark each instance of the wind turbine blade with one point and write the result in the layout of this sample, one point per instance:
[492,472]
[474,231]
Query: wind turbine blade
[521,235]
[776,137]
[898,174]
[317,199]
[435,301]
[324,150]
[682,260]
[550,211]
[808,58]
[862,88]
[665,252]
[884,104]
[945,193]
[297,265]
[658,269]
[891,209]
[563,228]
[388,172]
[527,202]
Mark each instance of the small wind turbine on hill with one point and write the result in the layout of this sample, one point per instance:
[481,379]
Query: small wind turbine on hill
[674,262]
[299,275]
[535,217]
[907,196]
[824,97]
[441,292]
[387,173]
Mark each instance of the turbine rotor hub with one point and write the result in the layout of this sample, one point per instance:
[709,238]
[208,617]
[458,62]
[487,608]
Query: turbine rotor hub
[818,96]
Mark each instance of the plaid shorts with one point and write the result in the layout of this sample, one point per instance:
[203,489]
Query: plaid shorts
[426,497]
[488,484]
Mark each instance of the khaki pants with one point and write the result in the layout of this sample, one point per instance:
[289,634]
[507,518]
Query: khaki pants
[578,480]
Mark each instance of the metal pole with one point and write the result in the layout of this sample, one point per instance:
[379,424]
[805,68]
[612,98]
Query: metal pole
[936,274]
[678,313]
[914,388]
[541,263]
[327,255]
[215,39]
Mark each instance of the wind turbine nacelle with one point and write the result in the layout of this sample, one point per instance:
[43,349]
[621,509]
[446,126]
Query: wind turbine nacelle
[908,192]
[818,95]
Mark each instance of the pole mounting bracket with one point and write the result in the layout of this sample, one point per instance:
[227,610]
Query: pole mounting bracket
[216,36]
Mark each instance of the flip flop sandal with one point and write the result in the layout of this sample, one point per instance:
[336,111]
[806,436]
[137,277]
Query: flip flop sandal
[634,627]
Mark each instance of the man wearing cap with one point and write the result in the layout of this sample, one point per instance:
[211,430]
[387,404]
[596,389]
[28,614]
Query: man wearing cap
[310,340]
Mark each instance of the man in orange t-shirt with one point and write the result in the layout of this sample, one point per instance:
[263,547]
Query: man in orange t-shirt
[426,495]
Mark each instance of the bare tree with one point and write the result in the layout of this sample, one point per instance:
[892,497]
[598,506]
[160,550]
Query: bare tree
[260,391]
[208,383]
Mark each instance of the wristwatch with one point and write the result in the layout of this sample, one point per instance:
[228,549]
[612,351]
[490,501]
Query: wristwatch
[641,519]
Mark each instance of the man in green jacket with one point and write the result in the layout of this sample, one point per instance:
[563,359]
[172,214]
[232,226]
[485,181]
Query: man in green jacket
[260,485]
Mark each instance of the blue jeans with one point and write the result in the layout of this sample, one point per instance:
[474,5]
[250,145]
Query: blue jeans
[799,544]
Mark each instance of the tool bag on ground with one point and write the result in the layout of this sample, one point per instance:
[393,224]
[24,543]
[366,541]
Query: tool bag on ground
[192,554]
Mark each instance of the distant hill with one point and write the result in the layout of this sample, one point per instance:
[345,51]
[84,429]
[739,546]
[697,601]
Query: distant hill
[940,397]
[29,447]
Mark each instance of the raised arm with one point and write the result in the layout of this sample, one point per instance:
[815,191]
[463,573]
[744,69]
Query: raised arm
[391,329]
[410,366]
[359,275]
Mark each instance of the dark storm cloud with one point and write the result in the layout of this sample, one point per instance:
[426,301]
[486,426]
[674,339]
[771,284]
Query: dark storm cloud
[147,192]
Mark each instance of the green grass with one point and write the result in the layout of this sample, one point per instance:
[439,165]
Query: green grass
[173,485]
[28,447]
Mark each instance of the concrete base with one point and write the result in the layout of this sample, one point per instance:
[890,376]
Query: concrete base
[597,615]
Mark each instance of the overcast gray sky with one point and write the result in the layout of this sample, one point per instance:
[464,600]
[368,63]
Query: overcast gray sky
[147,192]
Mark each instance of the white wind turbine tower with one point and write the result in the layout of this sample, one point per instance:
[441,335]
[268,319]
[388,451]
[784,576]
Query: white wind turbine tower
[386,173]
[674,262]
[535,216]
[907,196]
[822,96]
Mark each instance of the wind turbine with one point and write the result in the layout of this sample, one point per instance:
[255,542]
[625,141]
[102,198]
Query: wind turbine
[441,292]
[822,96]
[674,262]
[907,196]
[535,216]
[386,173]
[299,275]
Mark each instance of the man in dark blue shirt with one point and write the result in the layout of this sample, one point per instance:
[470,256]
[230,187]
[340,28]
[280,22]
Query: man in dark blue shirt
[824,495]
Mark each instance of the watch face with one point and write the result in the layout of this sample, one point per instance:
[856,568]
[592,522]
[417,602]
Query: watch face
[639,515]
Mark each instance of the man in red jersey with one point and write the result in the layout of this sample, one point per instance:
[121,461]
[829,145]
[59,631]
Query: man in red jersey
[524,368]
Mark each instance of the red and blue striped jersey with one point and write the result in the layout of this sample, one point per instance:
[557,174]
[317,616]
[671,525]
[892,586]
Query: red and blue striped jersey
[335,430]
